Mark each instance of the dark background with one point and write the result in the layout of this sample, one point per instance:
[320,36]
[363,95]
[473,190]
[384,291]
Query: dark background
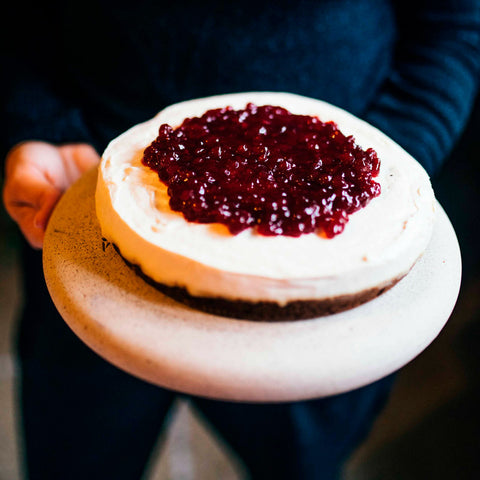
[431,425]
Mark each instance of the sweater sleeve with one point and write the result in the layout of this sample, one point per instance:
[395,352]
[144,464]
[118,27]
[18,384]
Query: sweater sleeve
[35,105]
[426,100]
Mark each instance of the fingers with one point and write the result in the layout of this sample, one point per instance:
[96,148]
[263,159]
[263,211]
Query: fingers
[29,199]
[32,221]
[78,158]
[37,173]
[42,216]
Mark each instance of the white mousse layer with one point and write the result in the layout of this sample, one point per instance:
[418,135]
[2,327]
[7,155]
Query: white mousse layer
[380,242]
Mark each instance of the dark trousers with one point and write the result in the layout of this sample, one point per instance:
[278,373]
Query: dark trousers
[84,418]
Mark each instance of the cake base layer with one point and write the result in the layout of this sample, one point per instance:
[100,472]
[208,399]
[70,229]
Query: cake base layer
[265,311]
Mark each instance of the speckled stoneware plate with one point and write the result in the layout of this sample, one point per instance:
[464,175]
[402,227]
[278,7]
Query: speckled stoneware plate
[147,334]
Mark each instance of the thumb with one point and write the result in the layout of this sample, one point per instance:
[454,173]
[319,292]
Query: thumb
[33,218]
[42,216]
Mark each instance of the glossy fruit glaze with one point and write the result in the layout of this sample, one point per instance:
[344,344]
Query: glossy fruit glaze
[266,168]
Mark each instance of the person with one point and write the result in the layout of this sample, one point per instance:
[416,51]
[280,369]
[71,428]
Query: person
[76,74]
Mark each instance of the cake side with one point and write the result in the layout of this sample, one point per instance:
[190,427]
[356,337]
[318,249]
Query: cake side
[266,311]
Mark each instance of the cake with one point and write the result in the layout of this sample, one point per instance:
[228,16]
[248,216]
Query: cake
[248,272]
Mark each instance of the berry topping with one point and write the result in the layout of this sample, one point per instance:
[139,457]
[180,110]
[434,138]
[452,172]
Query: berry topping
[266,168]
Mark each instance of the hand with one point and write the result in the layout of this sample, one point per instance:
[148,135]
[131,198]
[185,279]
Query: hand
[36,175]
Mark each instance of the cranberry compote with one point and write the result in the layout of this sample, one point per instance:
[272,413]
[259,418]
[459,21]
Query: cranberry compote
[266,168]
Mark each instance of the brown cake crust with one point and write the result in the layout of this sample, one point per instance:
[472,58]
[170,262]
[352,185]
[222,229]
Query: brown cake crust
[265,311]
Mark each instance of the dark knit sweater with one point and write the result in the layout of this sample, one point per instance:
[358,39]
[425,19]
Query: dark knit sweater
[86,71]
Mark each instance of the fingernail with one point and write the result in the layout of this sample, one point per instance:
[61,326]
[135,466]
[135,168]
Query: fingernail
[39,222]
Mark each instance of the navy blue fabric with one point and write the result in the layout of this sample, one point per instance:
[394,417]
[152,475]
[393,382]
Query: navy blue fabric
[86,71]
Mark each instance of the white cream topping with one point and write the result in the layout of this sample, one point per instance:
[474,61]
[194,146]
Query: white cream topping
[380,242]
